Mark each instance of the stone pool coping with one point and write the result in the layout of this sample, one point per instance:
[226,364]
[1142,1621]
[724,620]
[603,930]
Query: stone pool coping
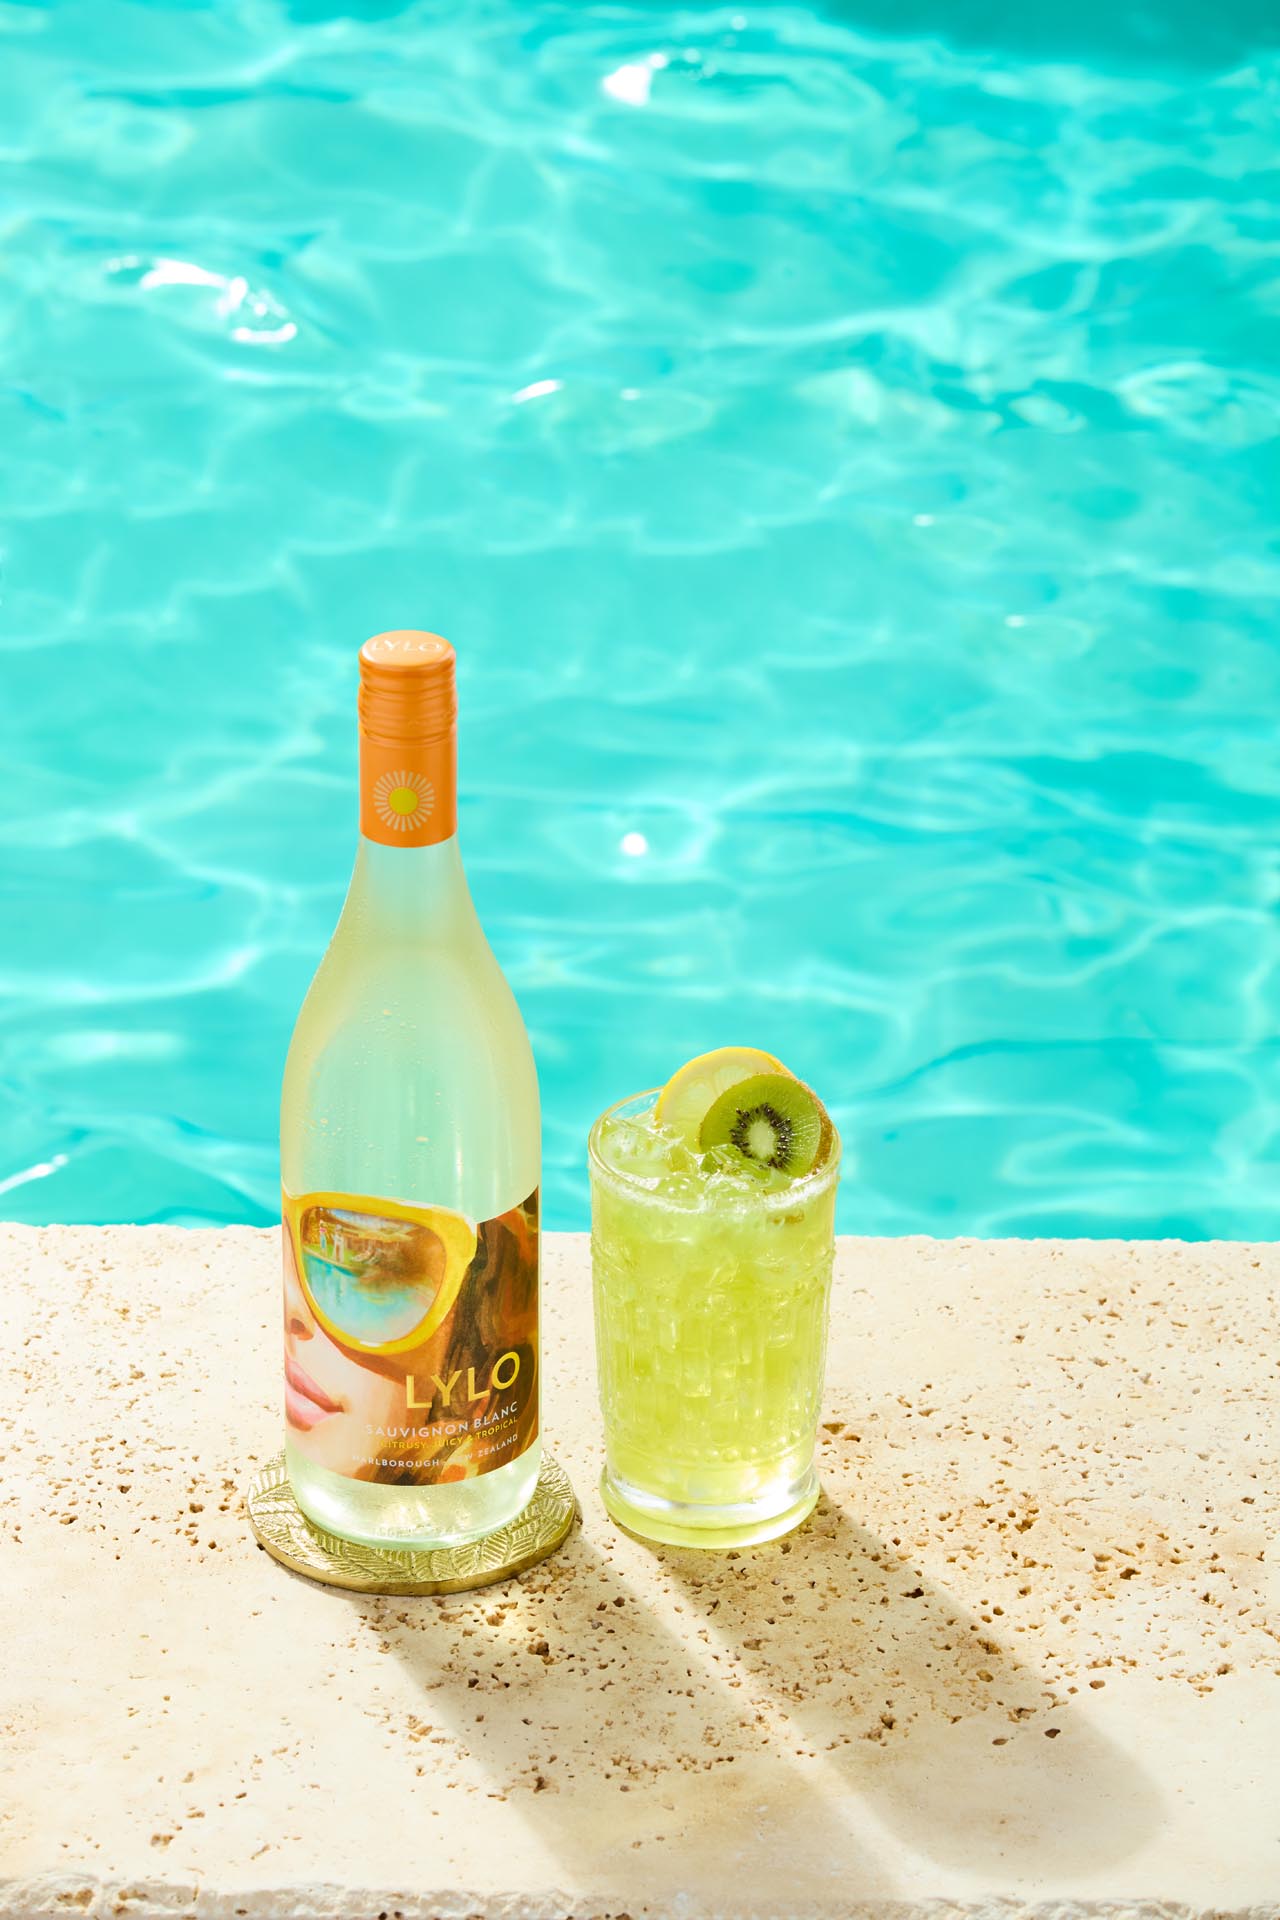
[1024,1659]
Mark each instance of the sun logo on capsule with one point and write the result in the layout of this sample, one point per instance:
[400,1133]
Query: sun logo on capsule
[403,801]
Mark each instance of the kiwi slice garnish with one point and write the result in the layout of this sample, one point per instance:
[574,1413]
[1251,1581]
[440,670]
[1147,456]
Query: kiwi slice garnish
[771,1120]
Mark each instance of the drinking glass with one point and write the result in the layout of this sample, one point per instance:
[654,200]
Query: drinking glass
[711,1303]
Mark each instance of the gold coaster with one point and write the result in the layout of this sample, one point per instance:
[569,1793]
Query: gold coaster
[288,1536]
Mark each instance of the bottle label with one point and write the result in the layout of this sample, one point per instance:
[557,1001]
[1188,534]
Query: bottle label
[410,1337]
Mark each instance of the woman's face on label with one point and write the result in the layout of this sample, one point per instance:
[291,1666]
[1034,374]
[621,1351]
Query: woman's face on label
[330,1399]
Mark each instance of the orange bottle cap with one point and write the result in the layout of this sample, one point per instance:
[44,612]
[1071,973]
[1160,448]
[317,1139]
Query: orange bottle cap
[407,690]
[408,713]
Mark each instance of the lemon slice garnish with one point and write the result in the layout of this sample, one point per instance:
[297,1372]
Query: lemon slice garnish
[694,1088]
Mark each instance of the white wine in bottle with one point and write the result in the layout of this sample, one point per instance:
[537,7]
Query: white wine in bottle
[409,1151]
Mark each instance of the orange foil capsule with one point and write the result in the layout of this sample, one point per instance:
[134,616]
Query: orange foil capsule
[408,739]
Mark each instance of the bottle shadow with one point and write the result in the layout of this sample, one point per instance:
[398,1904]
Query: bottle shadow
[762,1728]
[960,1748]
[636,1756]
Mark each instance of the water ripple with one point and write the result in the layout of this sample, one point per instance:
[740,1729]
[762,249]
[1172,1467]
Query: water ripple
[841,441]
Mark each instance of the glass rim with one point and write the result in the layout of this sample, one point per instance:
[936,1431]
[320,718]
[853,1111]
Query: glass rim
[781,1199]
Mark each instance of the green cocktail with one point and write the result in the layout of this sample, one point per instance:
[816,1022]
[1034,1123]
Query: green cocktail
[712,1276]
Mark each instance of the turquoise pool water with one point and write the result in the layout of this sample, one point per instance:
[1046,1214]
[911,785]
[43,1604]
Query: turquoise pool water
[840,441]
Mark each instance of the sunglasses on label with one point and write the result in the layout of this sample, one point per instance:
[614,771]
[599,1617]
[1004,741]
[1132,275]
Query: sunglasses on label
[379,1282]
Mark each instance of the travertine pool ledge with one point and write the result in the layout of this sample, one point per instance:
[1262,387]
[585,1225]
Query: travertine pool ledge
[1025,1656]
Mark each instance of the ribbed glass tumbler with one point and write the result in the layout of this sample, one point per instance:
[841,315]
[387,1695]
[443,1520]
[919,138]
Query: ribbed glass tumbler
[711,1309]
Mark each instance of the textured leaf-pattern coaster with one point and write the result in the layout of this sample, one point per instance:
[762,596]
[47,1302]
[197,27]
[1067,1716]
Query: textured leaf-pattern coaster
[288,1536]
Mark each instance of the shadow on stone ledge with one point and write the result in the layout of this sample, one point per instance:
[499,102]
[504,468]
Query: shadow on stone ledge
[726,1736]
[968,1754]
[642,1766]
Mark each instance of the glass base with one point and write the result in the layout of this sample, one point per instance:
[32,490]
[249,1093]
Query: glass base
[675,1525]
[284,1531]
[419,1519]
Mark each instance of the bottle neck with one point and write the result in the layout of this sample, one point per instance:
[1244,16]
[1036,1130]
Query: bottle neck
[408,788]
[408,882]
[409,893]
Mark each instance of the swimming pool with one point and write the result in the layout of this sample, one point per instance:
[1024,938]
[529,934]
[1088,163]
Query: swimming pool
[839,442]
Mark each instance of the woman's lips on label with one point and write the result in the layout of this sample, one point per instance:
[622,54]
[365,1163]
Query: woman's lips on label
[305,1403]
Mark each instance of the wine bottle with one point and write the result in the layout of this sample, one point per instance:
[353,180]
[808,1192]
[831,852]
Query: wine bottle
[410,1165]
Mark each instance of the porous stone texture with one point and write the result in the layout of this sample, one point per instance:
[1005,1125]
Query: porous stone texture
[1025,1656]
